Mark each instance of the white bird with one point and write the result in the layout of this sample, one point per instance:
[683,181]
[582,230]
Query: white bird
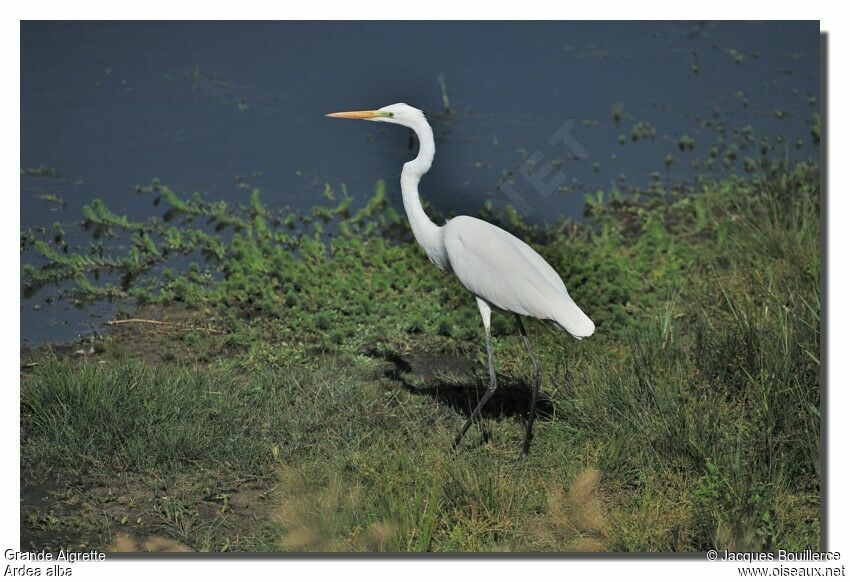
[499,269]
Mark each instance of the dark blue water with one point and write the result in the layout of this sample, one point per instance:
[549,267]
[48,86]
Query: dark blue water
[206,106]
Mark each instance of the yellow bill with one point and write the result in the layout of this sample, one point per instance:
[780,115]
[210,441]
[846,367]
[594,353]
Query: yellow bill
[355,114]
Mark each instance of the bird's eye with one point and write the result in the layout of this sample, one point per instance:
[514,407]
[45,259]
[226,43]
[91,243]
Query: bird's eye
[390,114]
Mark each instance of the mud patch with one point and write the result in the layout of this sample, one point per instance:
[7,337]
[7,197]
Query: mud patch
[142,515]
[155,334]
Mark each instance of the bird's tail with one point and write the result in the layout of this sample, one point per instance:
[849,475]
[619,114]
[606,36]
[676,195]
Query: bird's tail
[569,317]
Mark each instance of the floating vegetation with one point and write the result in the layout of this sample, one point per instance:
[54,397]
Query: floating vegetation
[617,113]
[97,215]
[41,172]
[51,198]
[250,232]
[685,143]
[746,136]
[737,57]
[643,130]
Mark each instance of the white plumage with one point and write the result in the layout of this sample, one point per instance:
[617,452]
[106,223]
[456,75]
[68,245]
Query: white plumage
[499,269]
[507,273]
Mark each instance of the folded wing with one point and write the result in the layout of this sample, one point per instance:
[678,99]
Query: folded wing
[507,273]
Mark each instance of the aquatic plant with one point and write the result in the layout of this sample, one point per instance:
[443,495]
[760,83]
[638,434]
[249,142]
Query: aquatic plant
[685,143]
[643,130]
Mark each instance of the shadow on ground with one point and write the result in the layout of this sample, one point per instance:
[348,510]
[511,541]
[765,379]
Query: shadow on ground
[455,380]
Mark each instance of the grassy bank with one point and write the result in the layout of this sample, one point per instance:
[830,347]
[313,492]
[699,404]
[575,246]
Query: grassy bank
[316,367]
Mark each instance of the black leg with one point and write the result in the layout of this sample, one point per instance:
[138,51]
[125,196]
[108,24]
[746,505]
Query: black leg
[526,444]
[490,390]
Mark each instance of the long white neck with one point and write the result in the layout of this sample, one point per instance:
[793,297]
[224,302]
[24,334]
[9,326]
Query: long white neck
[428,235]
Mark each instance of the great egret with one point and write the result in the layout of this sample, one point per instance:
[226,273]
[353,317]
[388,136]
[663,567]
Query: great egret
[499,269]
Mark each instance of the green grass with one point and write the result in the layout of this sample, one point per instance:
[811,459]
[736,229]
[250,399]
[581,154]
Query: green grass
[321,417]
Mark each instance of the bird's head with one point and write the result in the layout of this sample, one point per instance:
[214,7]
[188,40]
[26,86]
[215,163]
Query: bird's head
[398,113]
